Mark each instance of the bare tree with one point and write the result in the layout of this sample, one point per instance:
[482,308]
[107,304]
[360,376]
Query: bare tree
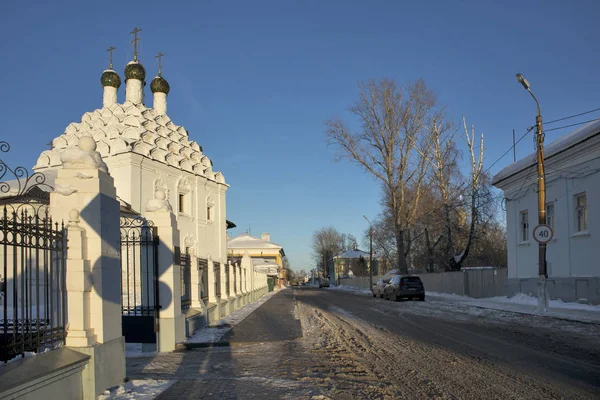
[327,242]
[392,145]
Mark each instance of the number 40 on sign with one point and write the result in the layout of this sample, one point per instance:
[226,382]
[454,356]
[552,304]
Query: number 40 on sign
[542,233]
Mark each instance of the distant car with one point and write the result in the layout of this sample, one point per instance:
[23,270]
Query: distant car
[378,287]
[403,286]
[324,282]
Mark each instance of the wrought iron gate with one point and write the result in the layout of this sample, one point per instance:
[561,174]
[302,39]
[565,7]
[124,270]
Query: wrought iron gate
[139,280]
[33,249]
[186,281]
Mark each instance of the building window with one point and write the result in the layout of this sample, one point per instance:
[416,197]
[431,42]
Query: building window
[550,215]
[181,203]
[208,213]
[524,226]
[581,218]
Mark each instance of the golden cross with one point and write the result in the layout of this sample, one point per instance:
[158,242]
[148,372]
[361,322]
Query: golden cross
[110,50]
[159,56]
[135,41]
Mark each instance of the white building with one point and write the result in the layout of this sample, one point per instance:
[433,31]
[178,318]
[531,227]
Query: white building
[145,151]
[572,210]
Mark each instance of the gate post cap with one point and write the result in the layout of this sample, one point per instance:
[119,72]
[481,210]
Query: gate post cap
[73,217]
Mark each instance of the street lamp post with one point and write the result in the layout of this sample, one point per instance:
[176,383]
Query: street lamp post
[542,271]
[370,252]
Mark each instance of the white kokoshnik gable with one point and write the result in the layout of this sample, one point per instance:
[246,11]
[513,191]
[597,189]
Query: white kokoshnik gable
[133,127]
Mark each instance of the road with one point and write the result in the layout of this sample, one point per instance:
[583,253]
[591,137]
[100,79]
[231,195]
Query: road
[437,350]
[310,343]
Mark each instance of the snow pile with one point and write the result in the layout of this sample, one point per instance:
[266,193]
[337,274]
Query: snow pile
[215,333]
[137,389]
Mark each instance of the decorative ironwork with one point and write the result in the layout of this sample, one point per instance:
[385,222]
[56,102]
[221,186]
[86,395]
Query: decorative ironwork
[227,290]
[203,268]
[22,183]
[139,279]
[33,289]
[186,281]
[217,270]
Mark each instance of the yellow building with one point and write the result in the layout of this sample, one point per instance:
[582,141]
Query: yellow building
[260,249]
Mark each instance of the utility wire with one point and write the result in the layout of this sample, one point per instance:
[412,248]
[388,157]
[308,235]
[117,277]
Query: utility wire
[568,126]
[572,116]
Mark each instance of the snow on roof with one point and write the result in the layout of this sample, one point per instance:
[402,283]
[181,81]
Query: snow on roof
[245,241]
[557,146]
[261,262]
[354,253]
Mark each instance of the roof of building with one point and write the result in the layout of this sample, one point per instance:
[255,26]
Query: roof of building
[128,127]
[245,241]
[559,145]
[353,253]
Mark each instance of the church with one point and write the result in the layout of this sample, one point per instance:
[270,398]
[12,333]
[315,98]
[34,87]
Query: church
[146,152]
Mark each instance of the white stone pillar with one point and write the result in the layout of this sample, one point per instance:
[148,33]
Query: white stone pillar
[79,287]
[84,187]
[171,321]
[212,295]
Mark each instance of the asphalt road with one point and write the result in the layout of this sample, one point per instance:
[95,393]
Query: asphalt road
[435,350]
[318,344]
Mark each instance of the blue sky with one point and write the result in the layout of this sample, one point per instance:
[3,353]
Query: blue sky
[253,81]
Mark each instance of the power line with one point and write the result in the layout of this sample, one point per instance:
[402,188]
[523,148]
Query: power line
[568,126]
[572,116]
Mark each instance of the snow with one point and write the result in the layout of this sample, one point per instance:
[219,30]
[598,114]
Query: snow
[520,303]
[137,389]
[351,289]
[525,304]
[245,241]
[579,135]
[212,334]
[133,350]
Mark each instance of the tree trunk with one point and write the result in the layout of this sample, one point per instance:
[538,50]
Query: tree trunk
[400,256]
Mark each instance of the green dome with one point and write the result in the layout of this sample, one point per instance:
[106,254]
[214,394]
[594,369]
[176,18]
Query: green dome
[159,84]
[110,78]
[135,70]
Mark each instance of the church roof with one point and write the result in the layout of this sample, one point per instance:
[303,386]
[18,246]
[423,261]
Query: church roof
[245,241]
[128,127]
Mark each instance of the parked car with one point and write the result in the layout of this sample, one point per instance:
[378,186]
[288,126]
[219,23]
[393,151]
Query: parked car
[324,282]
[401,286]
[378,287]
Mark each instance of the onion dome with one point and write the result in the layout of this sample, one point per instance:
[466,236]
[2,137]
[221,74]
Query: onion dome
[135,70]
[159,84]
[110,78]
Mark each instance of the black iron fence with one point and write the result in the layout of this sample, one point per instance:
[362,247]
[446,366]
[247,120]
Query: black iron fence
[227,279]
[138,247]
[32,282]
[186,281]
[217,271]
[203,268]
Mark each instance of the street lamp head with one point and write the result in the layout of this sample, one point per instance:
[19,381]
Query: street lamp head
[521,79]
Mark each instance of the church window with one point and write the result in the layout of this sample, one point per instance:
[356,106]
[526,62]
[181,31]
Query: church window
[181,203]
[209,213]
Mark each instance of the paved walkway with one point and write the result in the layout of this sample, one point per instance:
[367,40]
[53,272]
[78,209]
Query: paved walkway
[253,362]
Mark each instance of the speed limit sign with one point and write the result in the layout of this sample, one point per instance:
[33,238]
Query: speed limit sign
[542,233]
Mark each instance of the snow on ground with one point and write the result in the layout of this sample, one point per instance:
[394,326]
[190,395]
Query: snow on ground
[139,389]
[520,303]
[351,289]
[524,304]
[212,334]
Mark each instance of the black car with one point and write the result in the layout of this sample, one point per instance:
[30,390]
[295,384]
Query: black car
[401,286]
[378,287]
